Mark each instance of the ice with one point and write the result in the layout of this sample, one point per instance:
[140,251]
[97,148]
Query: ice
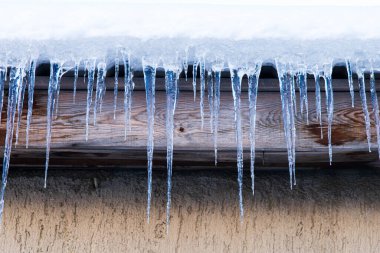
[149,70]
[90,67]
[3,76]
[55,74]
[116,85]
[76,73]
[285,76]
[210,97]
[327,72]
[318,98]
[202,71]
[217,68]
[15,87]
[302,83]
[100,88]
[128,90]
[20,105]
[171,87]
[31,82]
[375,106]
[253,81]
[350,81]
[236,78]
[195,66]
[186,63]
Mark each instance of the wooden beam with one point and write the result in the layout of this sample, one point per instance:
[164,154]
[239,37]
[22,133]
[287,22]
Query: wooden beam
[106,145]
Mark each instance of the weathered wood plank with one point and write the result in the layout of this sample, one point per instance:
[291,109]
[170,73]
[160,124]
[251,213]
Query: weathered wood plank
[106,145]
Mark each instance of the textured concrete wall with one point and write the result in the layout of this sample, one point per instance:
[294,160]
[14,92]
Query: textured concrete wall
[329,211]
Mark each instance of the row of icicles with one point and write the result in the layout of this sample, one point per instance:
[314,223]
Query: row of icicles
[289,78]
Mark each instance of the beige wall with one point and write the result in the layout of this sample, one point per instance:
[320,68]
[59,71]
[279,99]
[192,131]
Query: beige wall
[331,211]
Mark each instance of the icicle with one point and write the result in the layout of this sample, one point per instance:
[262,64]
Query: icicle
[217,73]
[3,76]
[171,78]
[100,88]
[186,63]
[350,80]
[20,105]
[195,66]
[288,115]
[58,92]
[55,71]
[31,81]
[302,81]
[116,85]
[76,73]
[90,66]
[202,70]
[210,97]
[128,89]
[318,99]
[253,81]
[236,77]
[15,86]
[293,77]
[363,97]
[375,107]
[329,104]
[150,86]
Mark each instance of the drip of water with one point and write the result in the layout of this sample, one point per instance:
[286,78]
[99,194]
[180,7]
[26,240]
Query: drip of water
[210,97]
[116,85]
[202,69]
[55,72]
[31,82]
[375,106]
[329,103]
[150,87]
[217,72]
[76,73]
[195,66]
[3,76]
[90,66]
[171,87]
[15,87]
[253,81]
[236,77]
[363,97]
[100,88]
[288,114]
[350,81]
[128,90]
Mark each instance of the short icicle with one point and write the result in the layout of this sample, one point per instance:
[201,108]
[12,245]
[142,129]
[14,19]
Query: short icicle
[195,66]
[100,88]
[363,97]
[128,90]
[76,73]
[202,69]
[15,86]
[318,98]
[302,81]
[90,66]
[253,81]
[327,72]
[350,81]
[375,106]
[150,87]
[210,97]
[31,82]
[115,88]
[236,78]
[171,86]
[55,72]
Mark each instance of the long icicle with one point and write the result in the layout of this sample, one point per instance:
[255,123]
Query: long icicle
[195,66]
[90,66]
[217,72]
[236,78]
[76,73]
[202,69]
[253,81]
[128,89]
[329,104]
[3,76]
[15,86]
[210,97]
[375,106]
[171,87]
[100,88]
[115,88]
[55,72]
[363,97]
[302,79]
[31,82]
[318,98]
[20,105]
[350,81]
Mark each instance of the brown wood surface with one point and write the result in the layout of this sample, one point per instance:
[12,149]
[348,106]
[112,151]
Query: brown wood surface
[193,146]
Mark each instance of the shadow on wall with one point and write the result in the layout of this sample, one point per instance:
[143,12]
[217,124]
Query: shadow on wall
[330,210]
